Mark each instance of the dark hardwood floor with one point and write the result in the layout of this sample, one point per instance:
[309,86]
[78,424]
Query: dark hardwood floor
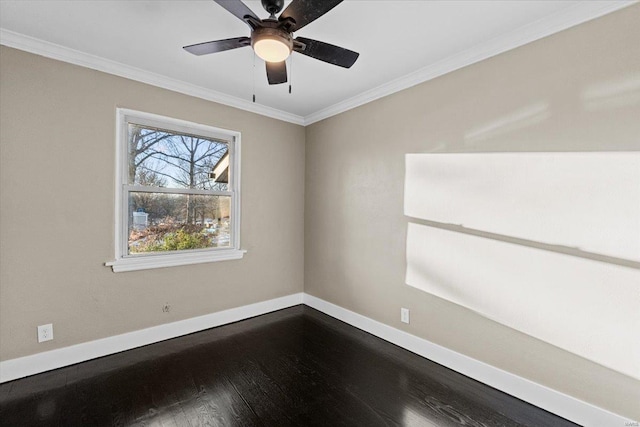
[294,367]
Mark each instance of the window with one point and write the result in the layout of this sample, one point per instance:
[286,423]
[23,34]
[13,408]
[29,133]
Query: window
[177,193]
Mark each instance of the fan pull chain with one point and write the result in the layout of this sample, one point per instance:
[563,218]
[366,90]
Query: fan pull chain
[254,77]
[290,72]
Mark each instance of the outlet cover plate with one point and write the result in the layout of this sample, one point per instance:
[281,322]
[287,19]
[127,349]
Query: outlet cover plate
[404,315]
[45,332]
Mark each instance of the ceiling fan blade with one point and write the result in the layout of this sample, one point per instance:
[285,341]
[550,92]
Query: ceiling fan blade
[303,12]
[326,52]
[238,9]
[218,45]
[276,72]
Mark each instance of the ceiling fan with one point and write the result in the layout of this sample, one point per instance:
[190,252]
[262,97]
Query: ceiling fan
[272,38]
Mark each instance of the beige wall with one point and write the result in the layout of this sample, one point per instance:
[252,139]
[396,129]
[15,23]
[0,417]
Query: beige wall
[57,209]
[57,124]
[355,229]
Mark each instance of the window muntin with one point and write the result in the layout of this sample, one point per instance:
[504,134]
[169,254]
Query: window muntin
[178,192]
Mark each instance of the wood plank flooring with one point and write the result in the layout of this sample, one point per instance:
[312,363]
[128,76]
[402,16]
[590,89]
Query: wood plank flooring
[294,367]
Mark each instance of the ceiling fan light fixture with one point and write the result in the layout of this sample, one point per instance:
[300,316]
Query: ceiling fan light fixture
[272,38]
[272,45]
[271,50]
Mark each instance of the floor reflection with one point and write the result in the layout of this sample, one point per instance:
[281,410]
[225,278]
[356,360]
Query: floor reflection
[294,367]
[413,418]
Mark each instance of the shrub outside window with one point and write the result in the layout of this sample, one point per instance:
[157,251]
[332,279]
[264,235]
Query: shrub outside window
[177,188]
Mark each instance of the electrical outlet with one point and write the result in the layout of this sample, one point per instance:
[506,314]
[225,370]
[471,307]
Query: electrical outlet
[404,315]
[45,332]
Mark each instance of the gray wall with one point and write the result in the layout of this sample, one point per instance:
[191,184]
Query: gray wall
[57,209]
[355,229]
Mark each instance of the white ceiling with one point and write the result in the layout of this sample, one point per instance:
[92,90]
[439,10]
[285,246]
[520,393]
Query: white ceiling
[401,43]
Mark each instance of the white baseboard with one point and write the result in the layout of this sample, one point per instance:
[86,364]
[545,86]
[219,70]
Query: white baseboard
[551,400]
[48,360]
[558,403]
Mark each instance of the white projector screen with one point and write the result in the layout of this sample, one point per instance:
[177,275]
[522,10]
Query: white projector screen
[587,307]
[588,201]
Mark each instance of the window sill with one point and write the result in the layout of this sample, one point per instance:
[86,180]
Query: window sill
[173,260]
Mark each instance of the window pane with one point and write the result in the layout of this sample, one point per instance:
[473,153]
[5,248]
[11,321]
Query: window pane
[161,158]
[160,222]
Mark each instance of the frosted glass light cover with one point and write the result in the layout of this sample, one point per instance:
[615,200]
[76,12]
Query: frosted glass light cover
[271,50]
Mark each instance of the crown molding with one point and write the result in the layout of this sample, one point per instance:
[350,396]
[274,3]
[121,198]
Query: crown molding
[582,12]
[72,56]
[562,20]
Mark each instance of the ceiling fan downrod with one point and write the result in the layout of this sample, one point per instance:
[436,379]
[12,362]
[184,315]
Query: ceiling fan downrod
[273,7]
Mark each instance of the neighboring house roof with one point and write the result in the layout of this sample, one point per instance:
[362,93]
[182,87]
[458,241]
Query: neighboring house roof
[220,172]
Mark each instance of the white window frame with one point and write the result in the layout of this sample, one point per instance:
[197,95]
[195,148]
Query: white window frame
[125,262]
